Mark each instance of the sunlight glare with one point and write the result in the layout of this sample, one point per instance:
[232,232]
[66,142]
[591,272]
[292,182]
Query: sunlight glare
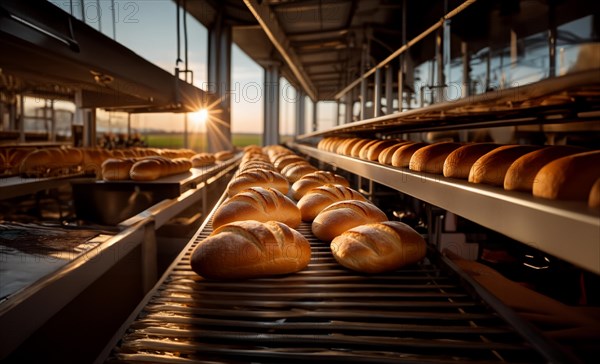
[200,117]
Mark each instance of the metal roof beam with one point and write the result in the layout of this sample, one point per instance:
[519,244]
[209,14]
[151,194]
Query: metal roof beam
[270,24]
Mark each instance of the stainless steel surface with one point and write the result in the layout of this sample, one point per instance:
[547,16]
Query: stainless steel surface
[566,229]
[325,313]
[25,311]
[18,186]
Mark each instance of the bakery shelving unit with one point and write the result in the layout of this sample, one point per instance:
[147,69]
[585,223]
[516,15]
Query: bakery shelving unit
[566,229]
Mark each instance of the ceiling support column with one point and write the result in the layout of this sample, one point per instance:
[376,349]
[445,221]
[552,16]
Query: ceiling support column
[271,105]
[218,125]
[300,113]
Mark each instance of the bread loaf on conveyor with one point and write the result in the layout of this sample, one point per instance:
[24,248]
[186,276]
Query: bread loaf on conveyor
[521,173]
[117,169]
[260,204]
[250,249]
[458,163]
[281,161]
[297,170]
[568,178]
[594,197]
[491,167]
[315,179]
[93,159]
[431,158]
[51,162]
[315,200]
[202,159]
[258,178]
[344,215]
[380,247]
[223,155]
[153,168]
[11,158]
[402,155]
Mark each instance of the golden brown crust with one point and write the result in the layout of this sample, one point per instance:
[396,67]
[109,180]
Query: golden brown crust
[568,178]
[344,215]
[491,167]
[260,204]
[431,158]
[297,170]
[250,249]
[51,162]
[402,155]
[458,163]
[594,197]
[202,159]
[373,152]
[380,247]
[385,157]
[315,179]
[315,200]
[521,174]
[11,158]
[155,167]
[281,161]
[114,169]
[356,147]
[223,155]
[258,178]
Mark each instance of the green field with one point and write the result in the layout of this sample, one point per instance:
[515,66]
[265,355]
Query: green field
[197,142]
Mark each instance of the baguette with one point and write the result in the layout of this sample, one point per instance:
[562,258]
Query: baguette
[260,204]
[284,160]
[223,155]
[458,163]
[378,248]
[568,178]
[491,167]
[594,197]
[11,158]
[114,169]
[250,249]
[373,152]
[93,159]
[153,168]
[345,148]
[297,170]
[521,173]
[402,155]
[315,200]
[431,158]
[344,215]
[258,178]
[316,179]
[202,159]
[51,162]
[356,147]
[364,150]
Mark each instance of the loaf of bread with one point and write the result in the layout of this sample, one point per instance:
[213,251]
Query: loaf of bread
[491,167]
[117,169]
[93,159]
[260,204]
[568,178]
[284,160]
[364,150]
[51,162]
[344,215]
[357,147]
[297,170]
[250,249]
[380,247]
[431,158]
[594,197]
[202,159]
[458,163]
[153,168]
[345,147]
[256,165]
[402,155]
[315,200]
[11,158]
[315,179]
[223,155]
[385,157]
[258,178]
[522,172]
[371,153]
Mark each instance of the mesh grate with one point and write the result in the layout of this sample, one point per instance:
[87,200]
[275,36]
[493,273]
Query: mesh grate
[325,313]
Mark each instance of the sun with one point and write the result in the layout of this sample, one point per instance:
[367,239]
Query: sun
[199,117]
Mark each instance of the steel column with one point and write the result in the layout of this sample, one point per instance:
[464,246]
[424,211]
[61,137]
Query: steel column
[552,35]
[466,87]
[315,114]
[389,93]
[89,128]
[271,105]
[300,112]
[377,94]
[21,118]
[363,83]
[218,126]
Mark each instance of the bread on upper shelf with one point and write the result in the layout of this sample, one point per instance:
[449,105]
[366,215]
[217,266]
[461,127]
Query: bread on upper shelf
[379,247]
[260,204]
[458,163]
[431,157]
[568,178]
[594,197]
[250,249]
[344,215]
[402,155]
[491,167]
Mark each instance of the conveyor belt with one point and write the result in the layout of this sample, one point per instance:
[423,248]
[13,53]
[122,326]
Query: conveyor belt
[422,314]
